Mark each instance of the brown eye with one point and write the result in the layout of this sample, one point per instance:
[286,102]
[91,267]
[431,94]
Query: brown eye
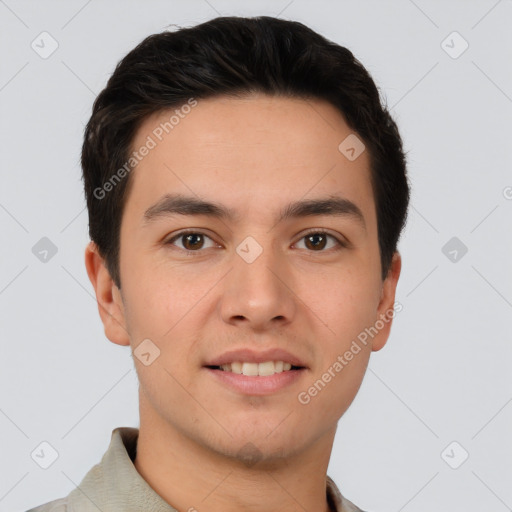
[191,241]
[317,241]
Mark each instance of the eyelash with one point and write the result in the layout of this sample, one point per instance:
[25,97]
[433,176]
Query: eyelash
[340,243]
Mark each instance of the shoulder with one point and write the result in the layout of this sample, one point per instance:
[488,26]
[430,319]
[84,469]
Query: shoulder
[60,505]
[348,506]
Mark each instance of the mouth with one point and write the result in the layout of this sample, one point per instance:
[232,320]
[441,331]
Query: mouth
[247,372]
[263,369]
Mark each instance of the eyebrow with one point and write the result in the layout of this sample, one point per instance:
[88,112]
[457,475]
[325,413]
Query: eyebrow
[177,204]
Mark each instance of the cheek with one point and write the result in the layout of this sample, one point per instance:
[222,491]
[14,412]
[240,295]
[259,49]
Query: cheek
[347,306]
[345,301]
[330,393]
[167,310]
[163,326]
[159,300]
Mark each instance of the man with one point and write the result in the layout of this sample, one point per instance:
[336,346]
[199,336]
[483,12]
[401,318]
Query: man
[246,192]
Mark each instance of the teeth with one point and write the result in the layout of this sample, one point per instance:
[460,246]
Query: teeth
[267,368]
[236,367]
[255,369]
[250,369]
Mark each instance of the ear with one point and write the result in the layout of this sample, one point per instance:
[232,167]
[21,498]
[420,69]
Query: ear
[108,297]
[385,310]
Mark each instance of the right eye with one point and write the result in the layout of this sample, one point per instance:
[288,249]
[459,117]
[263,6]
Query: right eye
[191,241]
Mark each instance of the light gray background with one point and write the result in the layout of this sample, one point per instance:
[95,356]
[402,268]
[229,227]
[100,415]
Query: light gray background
[445,373]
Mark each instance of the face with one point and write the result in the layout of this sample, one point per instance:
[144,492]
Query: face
[217,288]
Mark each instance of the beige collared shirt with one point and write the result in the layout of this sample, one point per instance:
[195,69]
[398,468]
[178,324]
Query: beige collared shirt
[114,485]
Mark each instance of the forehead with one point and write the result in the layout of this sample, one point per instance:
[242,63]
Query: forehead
[253,154]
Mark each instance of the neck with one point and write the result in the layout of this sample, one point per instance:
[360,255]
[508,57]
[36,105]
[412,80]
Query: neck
[193,477]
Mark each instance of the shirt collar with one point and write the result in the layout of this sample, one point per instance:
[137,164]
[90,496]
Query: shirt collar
[115,484]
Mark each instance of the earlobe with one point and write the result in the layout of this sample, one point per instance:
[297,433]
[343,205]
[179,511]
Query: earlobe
[108,298]
[385,310]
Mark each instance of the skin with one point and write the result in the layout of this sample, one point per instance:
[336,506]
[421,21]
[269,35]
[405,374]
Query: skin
[254,155]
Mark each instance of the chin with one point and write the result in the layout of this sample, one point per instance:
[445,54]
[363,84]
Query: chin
[265,454]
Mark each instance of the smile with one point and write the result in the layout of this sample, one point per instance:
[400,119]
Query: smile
[263,369]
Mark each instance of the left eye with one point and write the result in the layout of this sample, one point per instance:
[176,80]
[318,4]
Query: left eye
[317,241]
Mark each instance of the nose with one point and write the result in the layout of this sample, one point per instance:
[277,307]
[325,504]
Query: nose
[258,293]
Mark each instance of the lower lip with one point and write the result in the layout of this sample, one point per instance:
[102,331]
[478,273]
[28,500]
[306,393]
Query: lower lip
[257,385]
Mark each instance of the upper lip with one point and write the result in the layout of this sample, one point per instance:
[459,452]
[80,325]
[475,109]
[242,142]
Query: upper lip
[251,356]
